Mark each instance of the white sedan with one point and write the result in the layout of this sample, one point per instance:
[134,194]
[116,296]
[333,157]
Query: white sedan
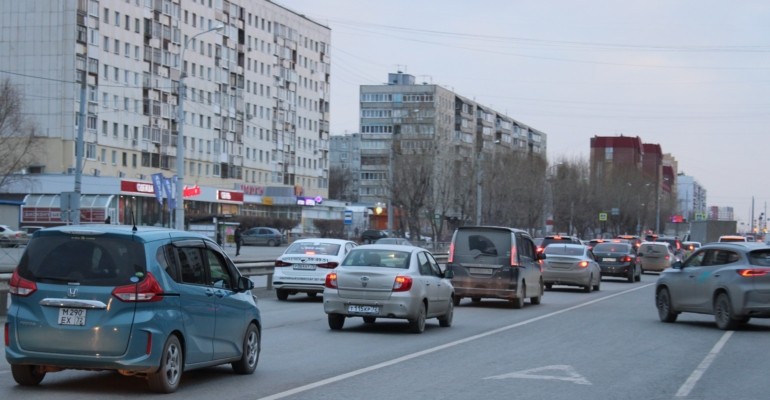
[302,268]
[389,281]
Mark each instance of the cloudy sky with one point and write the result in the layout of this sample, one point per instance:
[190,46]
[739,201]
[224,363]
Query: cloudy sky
[692,76]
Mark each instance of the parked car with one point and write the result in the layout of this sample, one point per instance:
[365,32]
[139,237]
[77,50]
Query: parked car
[372,235]
[388,281]
[139,302]
[495,262]
[655,256]
[556,239]
[11,237]
[618,260]
[262,235]
[571,265]
[302,268]
[728,280]
[31,229]
[423,238]
[398,241]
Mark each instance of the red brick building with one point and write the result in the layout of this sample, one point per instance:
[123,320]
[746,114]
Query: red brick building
[611,151]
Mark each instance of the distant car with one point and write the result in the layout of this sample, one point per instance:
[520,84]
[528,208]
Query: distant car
[732,238]
[151,302]
[262,236]
[31,229]
[618,260]
[728,280]
[398,241]
[655,256]
[302,268]
[593,242]
[537,241]
[634,240]
[388,281]
[572,265]
[676,245]
[423,238]
[372,235]
[691,246]
[556,239]
[12,238]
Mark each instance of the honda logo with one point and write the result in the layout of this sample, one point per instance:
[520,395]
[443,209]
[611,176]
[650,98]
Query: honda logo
[364,281]
[72,292]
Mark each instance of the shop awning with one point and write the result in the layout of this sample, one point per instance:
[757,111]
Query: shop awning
[45,208]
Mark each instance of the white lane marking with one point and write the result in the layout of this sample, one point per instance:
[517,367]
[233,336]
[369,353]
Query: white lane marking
[689,384]
[572,375]
[394,361]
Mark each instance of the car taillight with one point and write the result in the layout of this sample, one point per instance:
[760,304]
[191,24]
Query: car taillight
[583,264]
[20,286]
[149,342]
[626,259]
[513,256]
[148,290]
[17,235]
[331,281]
[540,249]
[281,263]
[402,283]
[329,265]
[667,257]
[451,253]
[753,272]
[7,335]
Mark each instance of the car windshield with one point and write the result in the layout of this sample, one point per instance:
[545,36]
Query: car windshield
[612,248]
[564,250]
[377,258]
[314,248]
[92,261]
[760,257]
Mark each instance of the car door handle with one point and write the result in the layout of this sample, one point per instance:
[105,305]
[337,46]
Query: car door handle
[209,292]
[717,275]
[220,294]
[692,276]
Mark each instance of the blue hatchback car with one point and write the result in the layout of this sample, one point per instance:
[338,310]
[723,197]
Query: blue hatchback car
[149,303]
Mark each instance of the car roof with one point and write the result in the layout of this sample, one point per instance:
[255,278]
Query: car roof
[575,245]
[657,243]
[142,233]
[494,227]
[557,237]
[398,247]
[743,245]
[322,240]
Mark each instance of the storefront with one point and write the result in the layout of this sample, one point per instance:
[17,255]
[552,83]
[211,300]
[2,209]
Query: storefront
[270,202]
[44,209]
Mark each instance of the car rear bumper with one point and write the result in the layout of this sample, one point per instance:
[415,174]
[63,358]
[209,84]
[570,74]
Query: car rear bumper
[655,267]
[485,293]
[299,287]
[578,278]
[615,270]
[399,305]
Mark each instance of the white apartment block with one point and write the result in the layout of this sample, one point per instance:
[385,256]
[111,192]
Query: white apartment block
[257,92]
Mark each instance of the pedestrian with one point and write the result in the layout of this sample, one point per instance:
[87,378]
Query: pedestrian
[238,240]
[108,220]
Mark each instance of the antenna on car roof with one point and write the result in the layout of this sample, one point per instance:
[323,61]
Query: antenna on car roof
[133,221]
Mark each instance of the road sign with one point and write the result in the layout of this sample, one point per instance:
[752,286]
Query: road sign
[615,211]
[602,216]
[700,217]
[348,217]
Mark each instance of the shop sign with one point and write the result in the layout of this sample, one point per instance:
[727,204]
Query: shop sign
[252,189]
[227,195]
[137,187]
[53,214]
[309,201]
[268,201]
[191,191]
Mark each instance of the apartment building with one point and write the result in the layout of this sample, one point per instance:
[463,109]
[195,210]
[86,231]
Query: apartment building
[608,152]
[721,213]
[459,130]
[691,197]
[256,109]
[345,154]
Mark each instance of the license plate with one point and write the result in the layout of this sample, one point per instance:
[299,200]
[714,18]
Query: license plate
[305,267]
[609,259]
[487,271]
[363,309]
[72,316]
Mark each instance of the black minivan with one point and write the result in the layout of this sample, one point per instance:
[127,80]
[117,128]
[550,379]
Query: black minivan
[495,262]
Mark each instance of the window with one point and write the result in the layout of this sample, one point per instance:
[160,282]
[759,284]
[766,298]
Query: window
[608,153]
[104,156]
[191,265]
[125,159]
[117,46]
[133,160]
[91,151]
[114,157]
[372,97]
[106,15]
[106,43]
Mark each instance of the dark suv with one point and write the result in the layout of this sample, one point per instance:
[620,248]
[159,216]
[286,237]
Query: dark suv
[557,239]
[495,262]
[372,235]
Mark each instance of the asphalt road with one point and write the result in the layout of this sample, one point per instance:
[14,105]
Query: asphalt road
[604,345]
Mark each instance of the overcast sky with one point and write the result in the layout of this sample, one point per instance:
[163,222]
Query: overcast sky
[692,76]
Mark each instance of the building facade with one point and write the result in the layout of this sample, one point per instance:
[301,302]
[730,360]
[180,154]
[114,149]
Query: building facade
[721,213]
[608,152]
[256,99]
[691,198]
[345,155]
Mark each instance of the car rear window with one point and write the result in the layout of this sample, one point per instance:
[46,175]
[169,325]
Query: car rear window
[561,250]
[548,241]
[87,260]
[377,258]
[482,246]
[760,257]
[612,248]
[654,248]
[314,248]
[732,240]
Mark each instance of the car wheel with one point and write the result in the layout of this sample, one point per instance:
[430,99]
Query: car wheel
[417,325]
[642,269]
[282,294]
[548,286]
[743,320]
[336,321]
[518,303]
[367,241]
[598,285]
[663,302]
[638,275]
[475,299]
[631,276]
[456,300]
[27,375]
[723,313]
[250,357]
[536,300]
[446,320]
[312,294]
[166,380]
[588,288]
[271,243]
[369,320]
[4,242]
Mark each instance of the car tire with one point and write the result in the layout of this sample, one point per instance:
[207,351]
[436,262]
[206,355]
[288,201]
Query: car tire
[4,242]
[743,320]
[281,294]
[475,299]
[631,276]
[336,321]
[548,286]
[518,303]
[537,299]
[417,325]
[598,285]
[590,287]
[446,320]
[250,356]
[370,320]
[367,241]
[663,304]
[638,275]
[642,269]
[456,300]
[723,313]
[312,294]
[27,375]
[168,376]
[271,243]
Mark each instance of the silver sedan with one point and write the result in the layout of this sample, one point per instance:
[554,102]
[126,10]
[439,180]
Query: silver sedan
[389,281]
[572,265]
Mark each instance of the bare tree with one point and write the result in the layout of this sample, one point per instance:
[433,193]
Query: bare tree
[412,180]
[340,184]
[19,143]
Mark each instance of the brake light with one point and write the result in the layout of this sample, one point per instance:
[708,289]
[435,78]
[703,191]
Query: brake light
[583,264]
[329,265]
[451,253]
[402,283]
[540,249]
[667,257]
[281,263]
[557,237]
[149,342]
[678,246]
[310,253]
[20,286]
[148,290]
[753,272]
[7,335]
[17,235]
[331,281]
[513,254]
[626,259]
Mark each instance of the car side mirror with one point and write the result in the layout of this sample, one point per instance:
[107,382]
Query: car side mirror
[449,274]
[245,284]
[677,265]
[540,256]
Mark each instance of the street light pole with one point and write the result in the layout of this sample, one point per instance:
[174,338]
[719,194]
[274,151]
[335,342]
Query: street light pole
[478,191]
[180,136]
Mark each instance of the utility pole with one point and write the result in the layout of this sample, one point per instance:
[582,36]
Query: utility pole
[478,191]
[390,187]
[571,213]
[752,214]
[79,147]
[657,218]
